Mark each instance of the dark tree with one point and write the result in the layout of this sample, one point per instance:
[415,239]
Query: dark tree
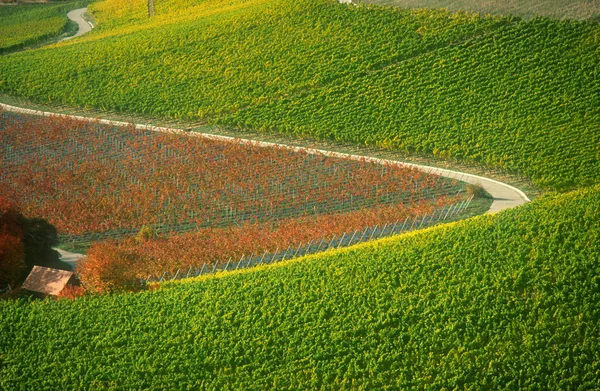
[39,238]
[25,243]
[12,253]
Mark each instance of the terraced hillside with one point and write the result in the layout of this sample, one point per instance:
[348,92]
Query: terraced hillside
[520,95]
[505,301]
[27,24]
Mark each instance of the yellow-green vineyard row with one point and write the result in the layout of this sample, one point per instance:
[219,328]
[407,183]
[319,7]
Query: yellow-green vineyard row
[520,95]
[505,301]
[26,24]
[557,9]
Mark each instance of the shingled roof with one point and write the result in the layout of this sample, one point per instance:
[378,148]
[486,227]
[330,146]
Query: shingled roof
[47,280]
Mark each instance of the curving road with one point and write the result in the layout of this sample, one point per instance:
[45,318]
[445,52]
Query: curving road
[504,196]
[77,17]
[68,257]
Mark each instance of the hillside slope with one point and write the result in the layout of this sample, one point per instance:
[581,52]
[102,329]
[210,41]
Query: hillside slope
[507,301]
[558,9]
[502,301]
[30,23]
[520,95]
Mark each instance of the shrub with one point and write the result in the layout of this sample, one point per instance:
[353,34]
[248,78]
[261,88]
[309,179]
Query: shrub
[12,250]
[145,234]
[476,191]
[72,292]
[109,267]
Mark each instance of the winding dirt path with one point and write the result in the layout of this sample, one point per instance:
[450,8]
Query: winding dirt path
[77,17]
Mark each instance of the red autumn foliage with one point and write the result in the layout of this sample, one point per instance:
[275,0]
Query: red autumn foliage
[72,292]
[12,251]
[90,178]
[232,198]
[119,264]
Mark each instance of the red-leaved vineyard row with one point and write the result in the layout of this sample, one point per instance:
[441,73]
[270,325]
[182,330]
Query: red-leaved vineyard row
[210,200]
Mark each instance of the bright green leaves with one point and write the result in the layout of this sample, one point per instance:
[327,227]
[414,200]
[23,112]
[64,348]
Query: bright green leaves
[453,306]
[520,95]
[26,24]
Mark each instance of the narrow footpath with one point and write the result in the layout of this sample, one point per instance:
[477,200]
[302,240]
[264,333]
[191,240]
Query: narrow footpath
[83,25]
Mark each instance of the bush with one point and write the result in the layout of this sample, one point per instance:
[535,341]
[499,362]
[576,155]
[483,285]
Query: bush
[109,267]
[72,292]
[12,249]
[145,234]
[476,191]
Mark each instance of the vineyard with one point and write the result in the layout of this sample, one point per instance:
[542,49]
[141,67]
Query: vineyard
[95,181]
[501,301]
[557,9]
[487,303]
[133,263]
[485,90]
[27,24]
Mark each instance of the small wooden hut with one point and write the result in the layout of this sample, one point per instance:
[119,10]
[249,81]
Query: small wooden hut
[47,281]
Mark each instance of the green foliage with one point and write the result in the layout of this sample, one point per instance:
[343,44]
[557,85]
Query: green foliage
[559,9]
[26,24]
[520,95]
[504,301]
[145,234]
[476,191]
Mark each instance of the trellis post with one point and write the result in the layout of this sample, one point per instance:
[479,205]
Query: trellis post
[239,262]
[341,240]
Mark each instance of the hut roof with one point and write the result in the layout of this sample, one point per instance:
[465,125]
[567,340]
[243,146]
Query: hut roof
[47,280]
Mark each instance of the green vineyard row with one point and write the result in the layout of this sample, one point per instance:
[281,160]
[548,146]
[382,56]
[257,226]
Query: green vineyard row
[557,9]
[455,85]
[505,301]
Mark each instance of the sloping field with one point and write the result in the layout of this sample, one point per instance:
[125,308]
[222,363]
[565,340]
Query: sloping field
[558,9]
[519,95]
[87,178]
[26,24]
[505,301]
[96,182]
